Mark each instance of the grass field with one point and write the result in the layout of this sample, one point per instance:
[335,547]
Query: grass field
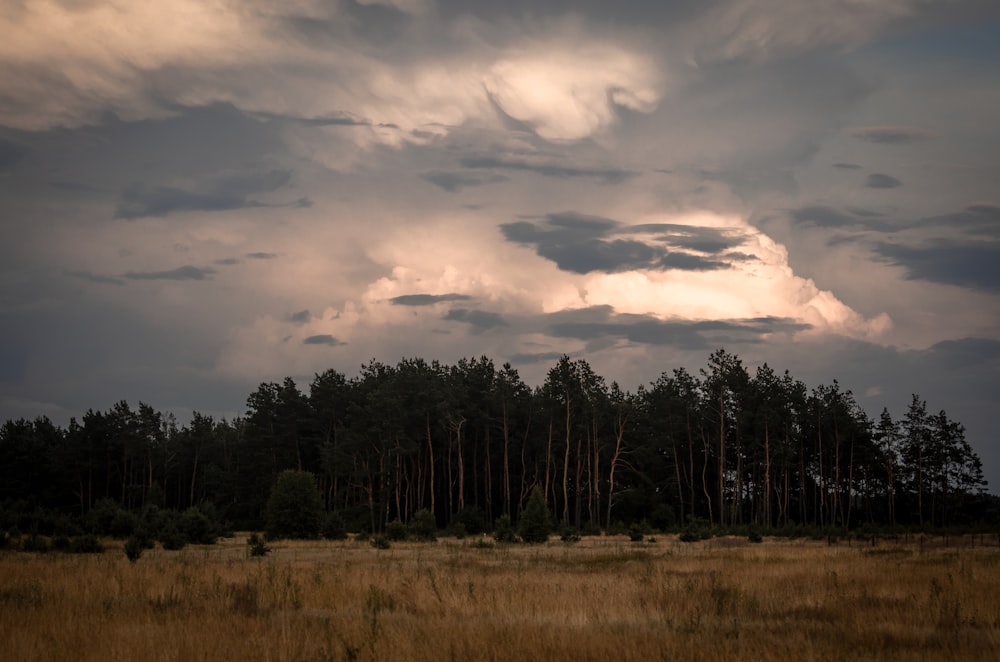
[600,599]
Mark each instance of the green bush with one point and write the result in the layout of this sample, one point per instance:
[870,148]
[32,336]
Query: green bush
[472,518]
[134,547]
[535,523]
[422,526]
[294,509]
[35,543]
[196,527]
[171,537]
[503,531]
[85,544]
[395,531]
[569,534]
[257,545]
[334,527]
[380,541]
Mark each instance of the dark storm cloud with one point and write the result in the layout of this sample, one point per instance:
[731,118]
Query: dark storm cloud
[223,194]
[455,181]
[822,216]
[427,299]
[186,272]
[890,135]
[600,322]
[605,175]
[300,317]
[333,119]
[847,166]
[973,265]
[323,339]
[480,320]
[261,256]
[227,261]
[581,244]
[879,180]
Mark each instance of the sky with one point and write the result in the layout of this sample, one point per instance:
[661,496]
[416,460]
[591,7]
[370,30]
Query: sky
[200,196]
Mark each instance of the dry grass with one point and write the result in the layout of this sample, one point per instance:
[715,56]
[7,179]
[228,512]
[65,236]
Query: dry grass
[600,599]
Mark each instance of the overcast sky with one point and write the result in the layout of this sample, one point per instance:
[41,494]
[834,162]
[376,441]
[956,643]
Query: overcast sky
[200,196]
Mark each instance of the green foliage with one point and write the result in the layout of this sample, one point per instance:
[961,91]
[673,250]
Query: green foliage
[257,546]
[472,519]
[503,531]
[569,534]
[196,527]
[35,543]
[171,537]
[85,544]
[134,547]
[334,527]
[379,541]
[423,527]
[395,531]
[294,509]
[637,531]
[535,525]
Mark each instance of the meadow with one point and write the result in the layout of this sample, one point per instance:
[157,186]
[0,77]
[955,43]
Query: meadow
[603,598]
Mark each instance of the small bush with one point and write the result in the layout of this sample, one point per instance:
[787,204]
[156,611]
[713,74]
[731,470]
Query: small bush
[569,534]
[196,527]
[257,545]
[134,547]
[380,541]
[171,538]
[395,530]
[294,508]
[35,543]
[60,543]
[481,543]
[472,518]
[123,524]
[334,527]
[636,532]
[423,527]
[755,537]
[85,544]
[504,530]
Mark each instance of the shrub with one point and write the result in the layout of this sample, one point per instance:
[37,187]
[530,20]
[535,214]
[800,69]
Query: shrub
[123,524]
[636,532]
[196,527]
[171,537]
[379,541]
[35,543]
[395,530]
[423,526]
[504,530]
[134,547]
[569,534]
[294,509]
[334,527]
[472,518]
[257,546]
[85,544]
[535,524]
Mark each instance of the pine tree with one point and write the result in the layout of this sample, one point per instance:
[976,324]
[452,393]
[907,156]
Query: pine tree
[535,522]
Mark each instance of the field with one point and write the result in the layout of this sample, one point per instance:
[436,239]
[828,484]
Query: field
[599,599]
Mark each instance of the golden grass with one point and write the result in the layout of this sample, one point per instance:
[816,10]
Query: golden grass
[599,599]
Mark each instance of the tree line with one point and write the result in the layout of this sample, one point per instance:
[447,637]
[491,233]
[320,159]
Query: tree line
[722,447]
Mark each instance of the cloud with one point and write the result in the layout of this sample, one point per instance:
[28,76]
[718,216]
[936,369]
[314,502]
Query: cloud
[890,135]
[186,272]
[605,175]
[847,166]
[301,317]
[225,193]
[10,154]
[261,256]
[972,266]
[600,322]
[582,244]
[323,339]
[455,181]
[878,180]
[480,320]
[96,278]
[427,299]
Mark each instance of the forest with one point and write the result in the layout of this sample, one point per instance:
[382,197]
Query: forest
[468,442]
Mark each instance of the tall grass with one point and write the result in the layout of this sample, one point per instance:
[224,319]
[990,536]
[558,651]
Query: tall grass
[601,598]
